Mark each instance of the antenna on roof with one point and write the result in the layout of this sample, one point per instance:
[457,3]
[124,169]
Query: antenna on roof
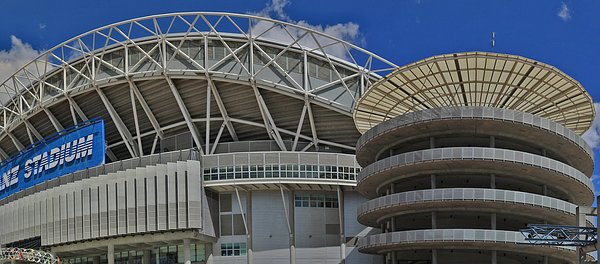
[493,39]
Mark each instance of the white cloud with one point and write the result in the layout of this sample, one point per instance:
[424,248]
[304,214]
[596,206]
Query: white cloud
[564,12]
[596,181]
[275,9]
[42,26]
[18,55]
[592,136]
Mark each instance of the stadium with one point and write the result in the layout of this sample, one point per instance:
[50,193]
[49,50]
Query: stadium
[231,138]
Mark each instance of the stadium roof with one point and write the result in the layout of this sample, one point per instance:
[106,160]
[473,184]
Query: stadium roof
[477,79]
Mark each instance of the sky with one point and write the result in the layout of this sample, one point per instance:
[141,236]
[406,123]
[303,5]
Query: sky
[565,34]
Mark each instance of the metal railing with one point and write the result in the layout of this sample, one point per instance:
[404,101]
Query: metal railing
[473,112]
[466,194]
[474,153]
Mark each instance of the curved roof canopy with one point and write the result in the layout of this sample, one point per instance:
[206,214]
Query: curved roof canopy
[247,48]
[477,79]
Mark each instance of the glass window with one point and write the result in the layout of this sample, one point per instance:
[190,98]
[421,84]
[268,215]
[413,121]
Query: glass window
[238,225]
[226,227]
[225,202]
[233,249]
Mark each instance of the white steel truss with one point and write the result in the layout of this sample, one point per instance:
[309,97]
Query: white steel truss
[260,52]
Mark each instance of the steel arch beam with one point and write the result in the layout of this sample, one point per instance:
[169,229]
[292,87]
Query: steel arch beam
[123,131]
[186,114]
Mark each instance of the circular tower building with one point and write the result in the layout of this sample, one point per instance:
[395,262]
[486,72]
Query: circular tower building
[460,151]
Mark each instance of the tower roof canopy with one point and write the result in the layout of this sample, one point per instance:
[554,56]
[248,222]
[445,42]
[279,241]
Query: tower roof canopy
[477,79]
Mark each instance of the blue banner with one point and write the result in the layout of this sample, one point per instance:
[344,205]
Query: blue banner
[74,149]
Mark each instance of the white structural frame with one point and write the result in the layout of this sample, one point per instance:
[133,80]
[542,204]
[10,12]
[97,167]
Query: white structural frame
[75,66]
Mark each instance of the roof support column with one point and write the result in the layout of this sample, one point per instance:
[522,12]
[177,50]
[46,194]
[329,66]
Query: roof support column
[299,129]
[34,131]
[144,105]
[220,105]
[186,115]
[123,131]
[267,118]
[83,117]
[313,127]
[289,217]
[53,119]
[15,141]
[136,122]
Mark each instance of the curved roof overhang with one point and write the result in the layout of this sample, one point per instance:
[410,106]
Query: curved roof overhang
[477,79]
[253,51]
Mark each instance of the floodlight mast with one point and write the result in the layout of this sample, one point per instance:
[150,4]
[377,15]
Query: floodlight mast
[584,238]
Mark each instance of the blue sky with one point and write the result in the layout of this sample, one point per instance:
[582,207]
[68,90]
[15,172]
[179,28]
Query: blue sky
[565,34]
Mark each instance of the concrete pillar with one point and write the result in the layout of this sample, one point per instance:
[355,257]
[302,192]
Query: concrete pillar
[96,260]
[580,221]
[432,181]
[394,260]
[494,257]
[157,257]
[493,224]
[340,197]
[433,220]
[493,181]
[146,257]
[250,252]
[434,258]
[431,142]
[492,142]
[110,255]
[545,259]
[187,253]
[544,152]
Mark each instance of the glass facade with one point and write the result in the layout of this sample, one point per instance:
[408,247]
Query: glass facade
[316,200]
[173,254]
[280,171]
[233,249]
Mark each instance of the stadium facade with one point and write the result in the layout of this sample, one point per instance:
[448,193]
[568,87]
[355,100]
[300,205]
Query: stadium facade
[232,139]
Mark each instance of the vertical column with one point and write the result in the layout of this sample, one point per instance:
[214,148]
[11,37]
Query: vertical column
[187,254]
[580,221]
[292,224]
[96,260]
[493,181]
[110,255]
[340,197]
[288,210]
[434,257]
[250,253]
[492,142]
[433,214]
[147,255]
[494,257]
